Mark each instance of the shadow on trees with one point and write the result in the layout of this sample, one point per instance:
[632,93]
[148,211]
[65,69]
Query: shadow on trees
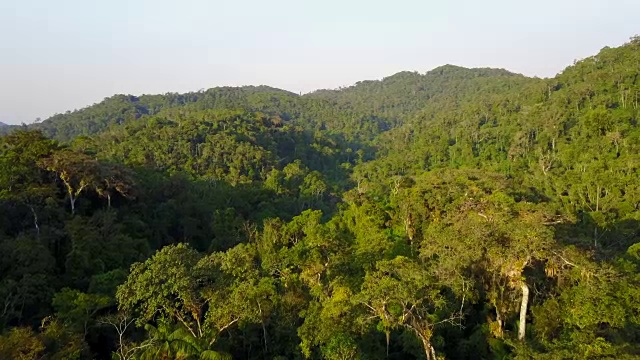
[603,240]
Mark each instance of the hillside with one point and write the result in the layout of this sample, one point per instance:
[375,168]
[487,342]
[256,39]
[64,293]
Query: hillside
[119,109]
[6,128]
[455,214]
[363,110]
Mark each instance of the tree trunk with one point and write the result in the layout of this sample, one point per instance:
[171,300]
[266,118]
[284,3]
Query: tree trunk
[429,351]
[35,220]
[72,200]
[388,335]
[500,323]
[523,311]
[264,329]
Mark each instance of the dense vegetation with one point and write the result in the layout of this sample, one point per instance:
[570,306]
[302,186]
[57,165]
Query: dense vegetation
[458,214]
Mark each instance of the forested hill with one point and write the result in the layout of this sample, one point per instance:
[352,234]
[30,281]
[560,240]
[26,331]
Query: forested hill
[456,214]
[405,93]
[5,128]
[120,109]
[362,110]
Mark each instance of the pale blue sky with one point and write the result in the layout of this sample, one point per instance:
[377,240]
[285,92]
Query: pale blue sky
[66,54]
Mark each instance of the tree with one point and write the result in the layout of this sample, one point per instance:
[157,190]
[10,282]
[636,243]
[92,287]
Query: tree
[166,286]
[114,179]
[20,179]
[26,276]
[77,172]
[205,295]
[174,342]
[78,309]
[125,349]
[62,343]
[482,233]
[400,293]
[21,344]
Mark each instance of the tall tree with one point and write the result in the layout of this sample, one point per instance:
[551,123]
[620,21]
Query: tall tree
[78,172]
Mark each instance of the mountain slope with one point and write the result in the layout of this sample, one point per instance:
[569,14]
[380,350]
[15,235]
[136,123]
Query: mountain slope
[387,103]
[119,109]
[361,111]
[574,137]
[597,96]
[6,128]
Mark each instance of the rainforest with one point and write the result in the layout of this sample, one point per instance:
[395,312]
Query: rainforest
[453,214]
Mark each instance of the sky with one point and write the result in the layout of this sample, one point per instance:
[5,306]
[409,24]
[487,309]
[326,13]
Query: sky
[67,54]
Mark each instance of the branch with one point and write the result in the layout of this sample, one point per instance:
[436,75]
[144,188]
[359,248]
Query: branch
[121,327]
[134,349]
[179,317]
[223,328]
[408,312]
[371,317]
[484,216]
[369,306]
[464,294]
[450,320]
[567,262]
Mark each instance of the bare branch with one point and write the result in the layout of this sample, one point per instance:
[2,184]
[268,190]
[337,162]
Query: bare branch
[567,262]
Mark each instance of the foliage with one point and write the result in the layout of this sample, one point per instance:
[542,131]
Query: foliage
[459,214]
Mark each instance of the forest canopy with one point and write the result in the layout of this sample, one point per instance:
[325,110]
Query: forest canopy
[456,214]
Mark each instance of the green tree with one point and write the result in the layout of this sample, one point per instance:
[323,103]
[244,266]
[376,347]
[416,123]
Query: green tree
[77,309]
[21,344]
[78,172]
[400,293]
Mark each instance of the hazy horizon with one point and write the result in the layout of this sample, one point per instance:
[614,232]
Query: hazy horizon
[60,56]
